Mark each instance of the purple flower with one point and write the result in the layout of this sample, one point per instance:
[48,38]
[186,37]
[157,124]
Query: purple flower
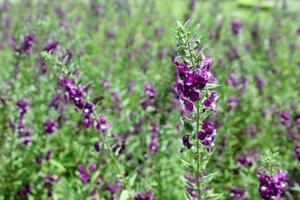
[298,31]
[207,63]
[150,93]
[285,119]
[146,196]
[210,102]
[114,188]
[272,187]
[84,176]
[51,46]
[248,158]
[236,27]
[102,125]
[27,136]
[159,31]
[236,193]
[25,190]
[232,103]
[298,123]
[186,141]
[153,146]
[93,167]
[23,106]
[297,151]
[27,43]
[50,127]
[207,134]
[260,83]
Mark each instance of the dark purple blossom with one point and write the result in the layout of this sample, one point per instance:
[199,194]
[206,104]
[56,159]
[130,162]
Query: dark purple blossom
[272,187]
[114,188]
[50,127]
[51,46]
[27,43]
[150,93]
[102,125]
[25,190]
[236,193]
[153,146]
[186,141]
[297,151]
[145,196]
[210,101]
[260,83]
[248,159]
[236,27]
[84,176]
[207,134]
[298,123]
[285,119]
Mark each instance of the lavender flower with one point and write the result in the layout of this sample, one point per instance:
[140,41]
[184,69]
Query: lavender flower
[285,119]
[51,46]
[146,196]
[186,141]
[207,134]
[236,27]
[236,193]
[191,81]
[153,146]
[25,190]
[210,101]
[298,123]
[114,188]
[50,127]
[150,94]
[27,43]
[272,187]
[297,151]
[84,176]
[248,158]
[102,125]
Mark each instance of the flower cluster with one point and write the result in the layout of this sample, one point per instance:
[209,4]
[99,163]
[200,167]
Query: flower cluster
[237,194]
[48,183]
[145,196]
[75,94]
[297,150]
[150,94]
[27,44]
[285,119]
[191,81]
[189,189]
[24,133]
[207,134]
[247,159]
[153,146]
[236,27]
[84,176]
[102,125]
[50,127]
[272,187]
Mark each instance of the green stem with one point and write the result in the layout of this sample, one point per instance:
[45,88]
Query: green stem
[198,149]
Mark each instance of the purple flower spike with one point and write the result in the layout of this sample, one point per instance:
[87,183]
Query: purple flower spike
[237,194]
[207,134]
[272,187]
[186,141]
[102,125]
[50,127]
[83,174]
[297,151]
[236,27]
[146,196]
